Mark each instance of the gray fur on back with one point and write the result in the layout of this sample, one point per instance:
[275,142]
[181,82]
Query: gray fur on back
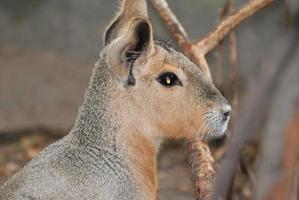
[87,163]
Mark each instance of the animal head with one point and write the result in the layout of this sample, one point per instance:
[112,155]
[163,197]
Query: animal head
[161,88]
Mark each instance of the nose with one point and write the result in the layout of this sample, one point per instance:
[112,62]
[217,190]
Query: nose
[226,110]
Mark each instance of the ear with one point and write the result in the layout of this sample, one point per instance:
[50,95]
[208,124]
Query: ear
[126,51]
[129,9]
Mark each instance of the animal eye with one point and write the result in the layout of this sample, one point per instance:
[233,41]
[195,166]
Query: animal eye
[169,79]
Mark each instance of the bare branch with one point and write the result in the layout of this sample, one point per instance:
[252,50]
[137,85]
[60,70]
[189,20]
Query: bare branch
[173,24]
[203,168]
[226,26]
[180,35]
[196,51]
[219,76]
[234,68]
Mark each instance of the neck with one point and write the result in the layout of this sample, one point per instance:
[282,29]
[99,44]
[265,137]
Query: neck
[100,124]
[141,153]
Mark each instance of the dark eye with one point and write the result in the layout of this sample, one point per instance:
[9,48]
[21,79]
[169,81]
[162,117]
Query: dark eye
[169,79]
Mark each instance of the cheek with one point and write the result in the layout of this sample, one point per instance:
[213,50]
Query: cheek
[192,116]
[172,111]
[175,119]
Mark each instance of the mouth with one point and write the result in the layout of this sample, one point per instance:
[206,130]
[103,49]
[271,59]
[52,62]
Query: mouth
[216,127]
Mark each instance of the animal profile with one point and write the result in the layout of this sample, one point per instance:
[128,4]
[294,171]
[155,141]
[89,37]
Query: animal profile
[140,93]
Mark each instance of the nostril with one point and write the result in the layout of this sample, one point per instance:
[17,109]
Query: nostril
[226,112]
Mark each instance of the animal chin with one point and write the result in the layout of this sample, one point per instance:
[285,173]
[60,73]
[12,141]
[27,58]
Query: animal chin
[217,130]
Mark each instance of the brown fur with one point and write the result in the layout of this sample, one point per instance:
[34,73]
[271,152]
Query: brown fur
[111,151]
[142,154]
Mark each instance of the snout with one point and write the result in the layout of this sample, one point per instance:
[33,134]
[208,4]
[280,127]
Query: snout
[226,111]
[217,121]
[221,124]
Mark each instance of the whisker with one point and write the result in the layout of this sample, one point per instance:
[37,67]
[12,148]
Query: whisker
[207,129]
[207,133]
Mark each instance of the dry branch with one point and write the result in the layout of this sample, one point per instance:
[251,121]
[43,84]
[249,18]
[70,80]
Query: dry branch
[173,24]
[227,9]
[197,50]
[234,69]
[200,158]
[219,79]
[202,166]
[180,35]
[208,43]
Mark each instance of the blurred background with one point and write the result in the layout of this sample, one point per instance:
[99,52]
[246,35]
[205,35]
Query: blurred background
[48,49]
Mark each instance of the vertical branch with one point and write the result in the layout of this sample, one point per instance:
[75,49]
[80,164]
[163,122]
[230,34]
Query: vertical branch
[219,79]
[288,13]
[233,58]
[220,49]
[202,166]
[234,69]
[228,8]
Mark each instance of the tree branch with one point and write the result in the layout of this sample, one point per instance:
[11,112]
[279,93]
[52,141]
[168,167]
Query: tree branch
[197,50]
[209,42]
[202,167]
[180,35]
[173,24]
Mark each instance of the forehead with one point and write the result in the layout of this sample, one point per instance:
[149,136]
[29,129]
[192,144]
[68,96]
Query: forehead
[169,58]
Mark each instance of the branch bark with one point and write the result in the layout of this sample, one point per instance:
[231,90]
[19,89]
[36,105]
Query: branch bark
[173,24]
[209,42]
[202,168]
[180,35]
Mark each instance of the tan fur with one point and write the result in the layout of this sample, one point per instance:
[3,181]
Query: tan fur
[142,154]
[111,151]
